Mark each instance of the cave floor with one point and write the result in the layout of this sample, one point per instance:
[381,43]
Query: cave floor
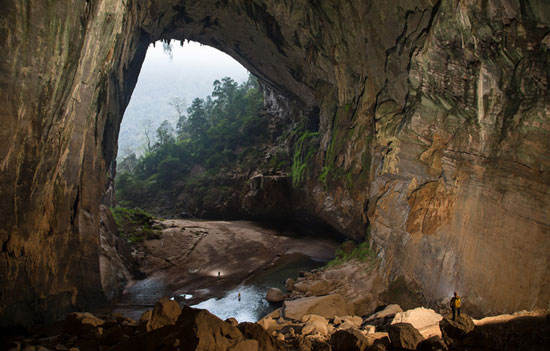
[206,259]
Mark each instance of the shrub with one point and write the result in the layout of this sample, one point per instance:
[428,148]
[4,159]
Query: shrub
[135,225]
[361,253]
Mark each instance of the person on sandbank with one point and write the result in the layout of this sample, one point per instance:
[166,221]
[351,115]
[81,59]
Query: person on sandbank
[455,305]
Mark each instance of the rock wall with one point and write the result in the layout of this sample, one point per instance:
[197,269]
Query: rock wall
[433,140]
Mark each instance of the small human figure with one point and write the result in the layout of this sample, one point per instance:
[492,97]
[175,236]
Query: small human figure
[239,296]
[455,305]
[219,274]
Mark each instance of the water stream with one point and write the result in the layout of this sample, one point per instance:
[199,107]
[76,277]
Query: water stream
[252,305]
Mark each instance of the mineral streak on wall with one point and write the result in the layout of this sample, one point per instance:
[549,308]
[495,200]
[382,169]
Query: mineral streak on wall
[434,133]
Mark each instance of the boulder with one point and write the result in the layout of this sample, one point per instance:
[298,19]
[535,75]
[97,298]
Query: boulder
[254,331]
[370,329]
[166,312]
[455,330]
[289,284]
[246,345]
[352,321]
[327,306]
[426,321]
[404,335]
[232,321]
[114,335]
[146,316]
[194,330]
[268,323]
[315,325]
[388,311]
[274,295]
[78,323]
[316,287]
[348,340]
[378,337]
[434,343]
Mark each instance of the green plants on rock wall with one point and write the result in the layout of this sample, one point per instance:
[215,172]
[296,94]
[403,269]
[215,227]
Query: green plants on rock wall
[304,150]
[360,253]
[344,134]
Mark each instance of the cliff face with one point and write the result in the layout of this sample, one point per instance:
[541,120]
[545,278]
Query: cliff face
[434,133]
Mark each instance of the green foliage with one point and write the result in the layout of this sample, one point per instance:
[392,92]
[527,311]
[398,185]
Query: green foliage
[304,150]
[362,253]
[134,225]
[216,133]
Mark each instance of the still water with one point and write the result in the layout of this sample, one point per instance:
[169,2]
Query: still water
[252,305]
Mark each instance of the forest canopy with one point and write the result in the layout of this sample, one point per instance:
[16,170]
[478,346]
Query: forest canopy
[214,133]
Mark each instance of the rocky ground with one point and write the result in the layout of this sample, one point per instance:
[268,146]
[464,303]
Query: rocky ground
[313,323]
[339,308]
[188,255]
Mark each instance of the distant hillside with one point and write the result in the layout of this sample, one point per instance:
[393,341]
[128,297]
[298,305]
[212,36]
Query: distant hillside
[187,75]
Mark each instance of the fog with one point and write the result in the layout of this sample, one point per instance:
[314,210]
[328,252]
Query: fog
[186,72]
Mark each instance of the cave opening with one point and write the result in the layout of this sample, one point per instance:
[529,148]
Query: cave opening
[205,208]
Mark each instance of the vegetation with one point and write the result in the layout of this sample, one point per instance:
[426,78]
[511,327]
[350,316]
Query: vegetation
[218,133]
[361,252]
[135,225]
[304,150]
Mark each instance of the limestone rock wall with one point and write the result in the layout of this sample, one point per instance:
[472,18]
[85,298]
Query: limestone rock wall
[66,73]
[433,140]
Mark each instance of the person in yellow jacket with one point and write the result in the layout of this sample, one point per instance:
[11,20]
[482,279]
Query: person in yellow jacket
[455,305]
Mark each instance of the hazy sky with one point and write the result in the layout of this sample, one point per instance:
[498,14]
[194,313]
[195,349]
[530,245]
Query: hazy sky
[187,75]
[194,55]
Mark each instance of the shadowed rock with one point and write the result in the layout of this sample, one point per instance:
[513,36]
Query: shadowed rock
[404,335]
[348,340]
[452,331]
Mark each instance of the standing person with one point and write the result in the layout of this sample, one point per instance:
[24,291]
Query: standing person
[455,305]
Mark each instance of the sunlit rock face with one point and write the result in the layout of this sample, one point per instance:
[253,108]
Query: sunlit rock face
[434,133]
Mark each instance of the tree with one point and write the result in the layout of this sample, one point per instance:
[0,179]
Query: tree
[128,164]
[179,105]
[197,122]
[165,134]
[147,126]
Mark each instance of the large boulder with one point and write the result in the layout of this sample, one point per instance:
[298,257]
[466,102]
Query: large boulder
[404,335]
[434,343]
[426,321]
[347,322]
[254,331]
[195,330]
[327,306]
[315,325]
[289,284]
[457,329]
[274,295]
[166,312]
[81,322]
[388,311]
[348,340]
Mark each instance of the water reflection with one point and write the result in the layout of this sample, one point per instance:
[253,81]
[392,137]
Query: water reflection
[251,307]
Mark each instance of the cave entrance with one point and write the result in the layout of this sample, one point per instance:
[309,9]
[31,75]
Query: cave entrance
[194,132]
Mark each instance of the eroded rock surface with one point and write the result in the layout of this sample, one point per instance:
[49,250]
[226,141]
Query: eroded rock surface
[433,117]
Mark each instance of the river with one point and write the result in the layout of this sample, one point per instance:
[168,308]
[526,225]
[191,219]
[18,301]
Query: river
[249,258]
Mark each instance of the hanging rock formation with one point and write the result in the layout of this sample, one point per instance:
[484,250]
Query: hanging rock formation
[434,133]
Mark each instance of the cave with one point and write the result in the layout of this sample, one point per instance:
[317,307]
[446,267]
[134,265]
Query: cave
[432,117]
